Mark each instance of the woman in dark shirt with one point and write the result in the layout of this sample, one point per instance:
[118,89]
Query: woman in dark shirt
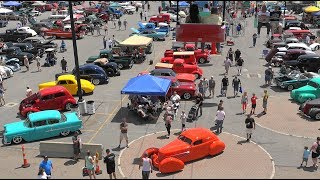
[194,14]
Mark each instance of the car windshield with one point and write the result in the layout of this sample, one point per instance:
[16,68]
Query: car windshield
[63,117]
[294,76]
[185,139]
[313,84]
[27,123]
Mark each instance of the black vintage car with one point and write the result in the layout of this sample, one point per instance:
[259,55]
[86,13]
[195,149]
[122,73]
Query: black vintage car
[13,35]
[111,68]
[15,52]
[311,109]
[27,47]
[41,43]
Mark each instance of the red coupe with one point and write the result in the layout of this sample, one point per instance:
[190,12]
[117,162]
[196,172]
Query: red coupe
[192,144]
[185,90]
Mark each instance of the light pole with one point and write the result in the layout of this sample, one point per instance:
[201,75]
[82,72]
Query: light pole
[224,11]
[284,14]
[81,101]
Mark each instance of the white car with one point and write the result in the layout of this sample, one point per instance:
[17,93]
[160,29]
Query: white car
[315,46]
[27,29]
[6,72]
[130,9]
[302,46]
[34,13]
[124,3]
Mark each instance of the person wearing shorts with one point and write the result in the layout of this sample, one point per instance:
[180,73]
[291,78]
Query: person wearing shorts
[253,103]
[123,132]
[315,154]
[109,159]
[250,125]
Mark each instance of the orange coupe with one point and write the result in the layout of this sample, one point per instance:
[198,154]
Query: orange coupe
[192,144]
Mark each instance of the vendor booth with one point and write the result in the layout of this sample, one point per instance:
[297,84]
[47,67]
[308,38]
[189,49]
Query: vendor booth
[142,43]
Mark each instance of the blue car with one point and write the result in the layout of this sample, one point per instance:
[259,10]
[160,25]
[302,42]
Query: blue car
[156,36]
[162,27]
[98,75]
[41,125]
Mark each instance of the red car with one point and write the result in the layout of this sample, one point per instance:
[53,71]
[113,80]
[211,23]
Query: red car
[191,145]
[185,90]
[65,32]
[179,66]
[91,10]
[160,18]
[182,77]
[57,97]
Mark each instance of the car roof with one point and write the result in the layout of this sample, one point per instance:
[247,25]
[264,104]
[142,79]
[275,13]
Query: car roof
[173,79]
[314,102]
[296,51]
[162,70]
[90,66]
[297,44]
[35,37]
[66,77]
[50,90]
[44,115]
[197,133]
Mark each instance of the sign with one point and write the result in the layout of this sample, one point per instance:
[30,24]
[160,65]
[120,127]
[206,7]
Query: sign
[193,33]
[318,4]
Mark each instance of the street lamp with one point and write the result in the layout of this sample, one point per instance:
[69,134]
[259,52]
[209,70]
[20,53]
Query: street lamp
[284,14]
[81,101]
[224,11]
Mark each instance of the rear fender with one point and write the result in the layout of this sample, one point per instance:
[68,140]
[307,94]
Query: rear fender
[216,148]
[170,164]
[151,151]
[28,109]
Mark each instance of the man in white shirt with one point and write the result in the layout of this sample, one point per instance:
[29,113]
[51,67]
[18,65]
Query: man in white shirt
[206,8]
[308,40]
[175,97]
[219,119]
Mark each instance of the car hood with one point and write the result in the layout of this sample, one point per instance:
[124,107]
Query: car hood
[47,84]
[305,89]
[284,78]
[174,147]
[13,127]
[282,49]
[86,84]
[186,77]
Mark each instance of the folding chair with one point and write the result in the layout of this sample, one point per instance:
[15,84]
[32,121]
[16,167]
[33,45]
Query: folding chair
[264,53]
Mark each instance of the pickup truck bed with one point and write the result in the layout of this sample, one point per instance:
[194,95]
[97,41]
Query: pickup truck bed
[163,65]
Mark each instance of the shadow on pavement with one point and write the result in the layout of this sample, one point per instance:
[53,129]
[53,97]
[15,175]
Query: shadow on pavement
[209,104]
[205,65]
[277,89]
[304,117]
[117,148]
[264,86]
[132,117]
[242,142]
[162,137]
[70,162]
[136,161]
[309,169]
[260,114]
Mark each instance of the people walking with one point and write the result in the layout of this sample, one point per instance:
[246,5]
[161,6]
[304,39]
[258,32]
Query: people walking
[268,76]
[220,116]
[64,65]
[224,85]
[183,119]
[238,54]
[46,164]
[159,9]
[104,41]
[89,164]
[26,62]
[119,24]
[125,23]
[28,91]
[254,39]
[97,26]
[110,162]
[205,86]
[105,28]
[305,156]
[253,103]
[137,9]
[200,86]
[114,24]
[236,83]
[244,102]
[315,152]
[2,101]
[239,63]
[124,132]
[199,102]
[38,62]
[77,145]
[265,101]
[220,104]
[145,15]
[146,164]
[148,6]
[212,84]
[168,122]
[141,15]
[250,126]
[91,28]
[227,65]
[110,42]
[230,55]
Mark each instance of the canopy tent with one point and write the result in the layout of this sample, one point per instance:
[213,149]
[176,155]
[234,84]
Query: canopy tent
[136,40]
[4,10]
[115,5]
[38,3]
[311,9]
[155,86]
[183,4]
[11,3]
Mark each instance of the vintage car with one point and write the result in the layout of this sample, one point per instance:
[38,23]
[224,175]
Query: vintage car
[41,43]
[162,27]
[122,61]
[295,23]
[15,52]
[57,97]
[300,34]
[6,72]
[64,33]
[187,56]
[315,46]
[70,83]
[277,57]
[41,125]
[179,66]
[302,46]
[192,144]
[13,35]
[39,26]
[294,81]
[29,48]
[311,109]
[308,92]
[27,30]
[160,18]
[181,77]
[308,62]
[12,63]
[111,68]
[201,56]
[185,90]
[156,36]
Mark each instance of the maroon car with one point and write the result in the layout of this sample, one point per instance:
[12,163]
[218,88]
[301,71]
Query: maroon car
[185,90]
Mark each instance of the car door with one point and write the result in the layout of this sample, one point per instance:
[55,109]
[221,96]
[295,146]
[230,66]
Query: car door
[199,149]
[58,100]
[41,130]
[94,74]
[72,85]
[46,102]
[54,127]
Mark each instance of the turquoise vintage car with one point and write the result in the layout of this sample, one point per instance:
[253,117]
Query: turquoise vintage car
[41,125]
[156,36]
[308,92]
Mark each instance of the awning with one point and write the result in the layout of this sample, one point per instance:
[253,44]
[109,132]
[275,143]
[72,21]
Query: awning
[11,3]
[136,40]
[311,9]
[38,3]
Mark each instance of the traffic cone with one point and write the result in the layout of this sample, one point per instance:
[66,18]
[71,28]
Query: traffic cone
[213,48]
[97,171]
[25,161]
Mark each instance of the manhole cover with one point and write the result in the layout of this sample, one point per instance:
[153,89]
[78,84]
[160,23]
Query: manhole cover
[10,104]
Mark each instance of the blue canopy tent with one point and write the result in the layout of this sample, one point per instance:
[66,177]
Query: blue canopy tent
[183,4]
[147,85]
[11,3]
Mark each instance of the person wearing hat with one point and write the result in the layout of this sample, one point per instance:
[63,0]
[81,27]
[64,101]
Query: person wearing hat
[268,76]
[64,65]
[46,164]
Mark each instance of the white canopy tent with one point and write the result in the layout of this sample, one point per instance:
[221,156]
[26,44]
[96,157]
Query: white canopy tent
[4,10]
[38,3]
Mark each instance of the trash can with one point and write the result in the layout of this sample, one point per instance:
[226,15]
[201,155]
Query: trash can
[90,108]
[75,108]
[82,107]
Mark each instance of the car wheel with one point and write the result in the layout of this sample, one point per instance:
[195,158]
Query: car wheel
[65,133]
[202,60]
[110,72]
[120,66]
[197,76]
[187,96]
[290,87]
[155,38]
[19,40]
[68,106]
[17,140]
[277,64]
[319,71]
[166,22]
[96,82]
[54,37]
[317,116]
[316,48]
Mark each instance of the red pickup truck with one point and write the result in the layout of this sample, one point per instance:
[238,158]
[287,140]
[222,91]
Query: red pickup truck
[201,57]
[187,56]
[179,66]
[160,18]
[64,32]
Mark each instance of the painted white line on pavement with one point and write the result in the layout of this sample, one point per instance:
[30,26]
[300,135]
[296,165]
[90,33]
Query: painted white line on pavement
[121,152]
